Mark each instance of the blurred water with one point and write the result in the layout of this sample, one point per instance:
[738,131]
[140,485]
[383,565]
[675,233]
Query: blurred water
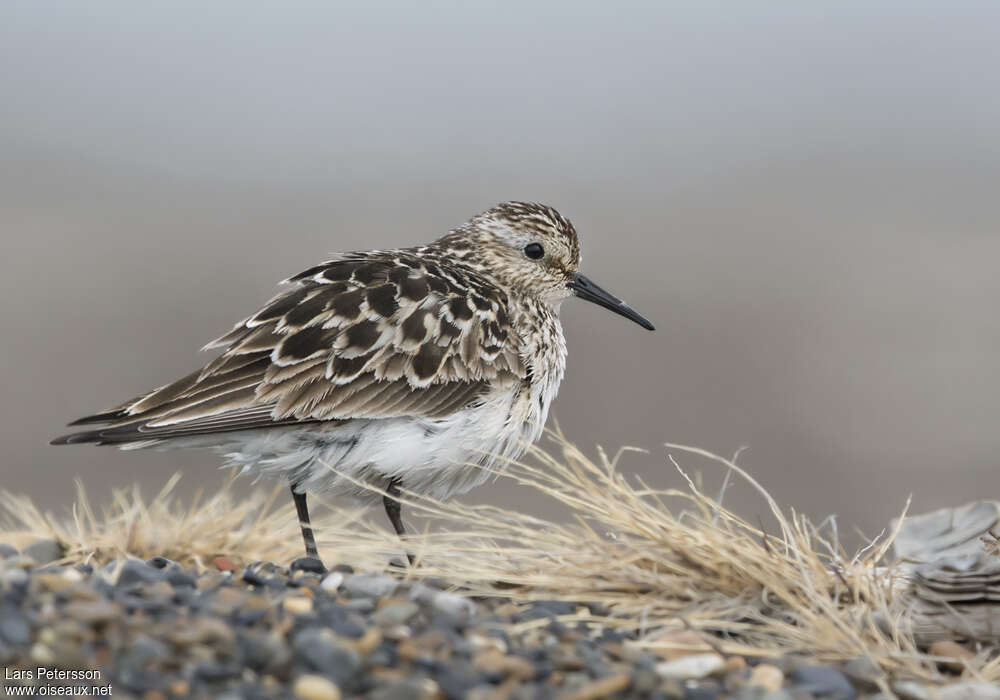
[801,197]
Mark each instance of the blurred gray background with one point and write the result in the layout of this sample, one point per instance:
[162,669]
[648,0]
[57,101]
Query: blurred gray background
[802,196]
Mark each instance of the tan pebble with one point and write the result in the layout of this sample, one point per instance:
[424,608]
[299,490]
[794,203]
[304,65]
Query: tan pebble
[951,650]
[408,650]
[297,605]
[154,695]
[94,612]
[601,688]
[179,688]
[768,677]
[369,641]
[311,687]
[53,582]
[735,663]
[203,630]
[160,589]
[691,667]
[495,662]
[42,655]
[679,644]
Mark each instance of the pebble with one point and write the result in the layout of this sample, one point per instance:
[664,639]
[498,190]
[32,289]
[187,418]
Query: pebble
[298,605]
[331,582]
[601,688]
[691,667]
[323,653]
[911,690]
[863,672]
[14,626]
[44,551]
[951,650]
[371,585]
[823,682]
[7,551]
[970,690]
[395,614]
[767,677]
[311,687]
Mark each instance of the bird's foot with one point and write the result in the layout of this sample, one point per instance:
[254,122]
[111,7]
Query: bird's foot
[311,565]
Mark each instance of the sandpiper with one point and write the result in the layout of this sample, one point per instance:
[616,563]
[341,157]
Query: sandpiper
[421,369]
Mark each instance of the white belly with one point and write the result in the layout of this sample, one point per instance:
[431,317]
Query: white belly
[434,457]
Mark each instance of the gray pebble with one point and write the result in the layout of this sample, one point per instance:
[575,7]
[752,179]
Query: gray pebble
[970,690]
[911,690]
[319,651]
[360,605]
[454,606]
[44,551]
[395,614]
[144,650]
[7,551]
[135,571]
[864,672]
[371,585]
[823,682]
[14,626]
[409,689]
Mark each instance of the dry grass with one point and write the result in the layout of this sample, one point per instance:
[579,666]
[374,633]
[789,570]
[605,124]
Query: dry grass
[657,561]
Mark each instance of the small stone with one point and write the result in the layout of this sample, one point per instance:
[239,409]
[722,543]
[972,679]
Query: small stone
[601,688]
[331,582]
[969,690]
[312,687]
[297,604]
[320,650]
[14,626]
[691,667]
[360,605]
[203,630]
[371,585]
[864,672]
[42,655]
[7,551]
[911,690]
[395,614]
[951,650]
[823,682]
[224,564]
[496,663]
[735,664]
[453,605]
[44,551]
[93,612]
[680,644]
[49,581]
[135,571]
[766,676]
[404,689]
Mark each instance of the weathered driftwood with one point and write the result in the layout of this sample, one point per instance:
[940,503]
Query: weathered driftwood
[950,564]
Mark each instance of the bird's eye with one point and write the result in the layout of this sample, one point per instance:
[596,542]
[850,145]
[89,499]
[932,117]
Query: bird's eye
[534,251]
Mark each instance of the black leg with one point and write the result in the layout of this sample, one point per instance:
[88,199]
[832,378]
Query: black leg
[394,509]
[311,561]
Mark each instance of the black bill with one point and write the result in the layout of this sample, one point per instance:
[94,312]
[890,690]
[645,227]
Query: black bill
[585,289]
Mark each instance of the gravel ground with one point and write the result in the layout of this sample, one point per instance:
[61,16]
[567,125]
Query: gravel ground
[155,630]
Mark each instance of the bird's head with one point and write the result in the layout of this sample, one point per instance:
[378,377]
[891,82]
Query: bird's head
[533,249]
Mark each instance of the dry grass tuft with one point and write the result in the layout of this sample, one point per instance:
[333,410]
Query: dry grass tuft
[661,562]
[242,529]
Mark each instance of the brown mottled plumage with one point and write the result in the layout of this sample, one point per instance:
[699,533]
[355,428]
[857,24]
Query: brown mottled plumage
[455,347]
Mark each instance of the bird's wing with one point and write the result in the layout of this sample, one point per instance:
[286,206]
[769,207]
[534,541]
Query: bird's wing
[371,336]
